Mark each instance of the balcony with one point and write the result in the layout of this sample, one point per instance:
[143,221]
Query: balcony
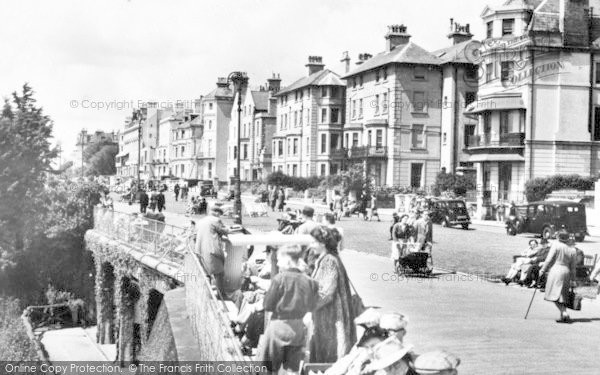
[507,140]
[338,153]
[367,152]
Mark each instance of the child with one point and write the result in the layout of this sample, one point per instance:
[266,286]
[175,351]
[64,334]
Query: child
[290,297]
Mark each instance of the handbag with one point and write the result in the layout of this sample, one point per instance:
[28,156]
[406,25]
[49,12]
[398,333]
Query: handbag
[573,300]
[356,303]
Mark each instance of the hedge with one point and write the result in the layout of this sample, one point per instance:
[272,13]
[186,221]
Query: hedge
[538,189]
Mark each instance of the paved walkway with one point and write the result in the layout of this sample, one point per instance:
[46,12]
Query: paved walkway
[78,344]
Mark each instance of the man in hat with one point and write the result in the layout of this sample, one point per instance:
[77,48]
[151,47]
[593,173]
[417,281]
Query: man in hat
[210,243]
[307,226]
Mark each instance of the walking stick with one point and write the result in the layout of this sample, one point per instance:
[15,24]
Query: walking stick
[530,302]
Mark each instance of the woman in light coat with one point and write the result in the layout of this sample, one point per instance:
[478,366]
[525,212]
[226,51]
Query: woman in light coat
[561,261]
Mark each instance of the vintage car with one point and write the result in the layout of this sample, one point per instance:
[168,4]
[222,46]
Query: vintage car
[547,217]
[450,212]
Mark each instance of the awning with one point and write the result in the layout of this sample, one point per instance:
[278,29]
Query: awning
[121,154]
[478,158]
[495,103]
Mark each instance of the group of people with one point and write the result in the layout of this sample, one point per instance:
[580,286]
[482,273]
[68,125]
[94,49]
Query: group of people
[276,198]
[197,206]
[553,266]
[410,233]
[306,284]
[155,200]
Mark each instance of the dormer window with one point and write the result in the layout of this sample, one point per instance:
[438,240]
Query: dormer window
[490,29]
[508,26]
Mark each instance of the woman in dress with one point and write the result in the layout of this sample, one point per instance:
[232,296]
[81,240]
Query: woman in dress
[561,261]
[280,200]
[333,320]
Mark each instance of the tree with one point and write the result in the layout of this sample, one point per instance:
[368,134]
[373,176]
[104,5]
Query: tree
[100,158]
[538,188]
[14,342]
[25,159]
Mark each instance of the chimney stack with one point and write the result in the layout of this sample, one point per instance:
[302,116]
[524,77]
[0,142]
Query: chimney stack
[315,64]
[274,83]
[396,36]
[346,60]
[459,33]
[362,57]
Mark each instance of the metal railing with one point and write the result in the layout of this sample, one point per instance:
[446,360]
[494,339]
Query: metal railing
[367,151]
[505,140]
[163,241]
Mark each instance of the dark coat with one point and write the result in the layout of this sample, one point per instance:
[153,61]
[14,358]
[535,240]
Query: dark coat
[143,199]
[209,243]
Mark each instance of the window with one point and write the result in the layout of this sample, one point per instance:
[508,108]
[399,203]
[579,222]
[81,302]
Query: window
[490,29]
[209,124]
[346,142]
[470,97]
[379,138]
[489,72]
[323,143]
[295,118]
[417,136]
[209,147]
[469,132]
[295,146]
[210,106]
[323,115]
[508,25]
[323,91]
[360,80]
[506,70]
[301,117]
[416,173]
[280,148]
[295,170]
[354,139]
[335,115]
[377,76]
[504,122]
[384,102]
[384,74]
[182,169]
[209,170]
[419,101]
[289,148]
[353,109]
[307,142]
[323,167]
[334,91]
[245,152]
[360,108]
[354,82]
[183,134]
[444,138]
[333,141]
[301,94]
[420,73]
[369,137]
[597,72]
[376,104]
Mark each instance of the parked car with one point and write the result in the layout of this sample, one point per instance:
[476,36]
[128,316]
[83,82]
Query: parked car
[547,217]
[450,212]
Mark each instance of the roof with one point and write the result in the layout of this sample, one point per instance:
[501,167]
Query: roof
[261,100]
[410,53]
[458,53]
[320,78]
[219,92]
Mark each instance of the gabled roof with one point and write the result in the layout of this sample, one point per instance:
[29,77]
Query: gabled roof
[458,53]
[261,100]
[320,78]
[410,53]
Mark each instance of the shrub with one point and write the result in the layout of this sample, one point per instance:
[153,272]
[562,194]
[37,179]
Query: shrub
[455,183]
[538,189]
[14,342]
[278,178]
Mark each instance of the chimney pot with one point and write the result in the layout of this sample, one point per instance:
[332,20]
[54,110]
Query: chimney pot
[396,36]
[315,64]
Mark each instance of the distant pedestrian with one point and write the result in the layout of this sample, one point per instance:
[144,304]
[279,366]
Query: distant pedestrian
[176,191]
[373,210]
[160,201]
[143,201]
[153,199]
[280,200]
[273,197]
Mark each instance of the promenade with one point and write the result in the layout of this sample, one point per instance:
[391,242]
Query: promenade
[481,322]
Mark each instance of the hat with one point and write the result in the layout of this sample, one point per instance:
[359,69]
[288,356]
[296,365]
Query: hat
[563,235]
[393,322]
[435,362]
[387,353]
[369,318]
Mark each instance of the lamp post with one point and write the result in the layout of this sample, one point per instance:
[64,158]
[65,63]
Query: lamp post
[82,139]
[239,80]
[137,115]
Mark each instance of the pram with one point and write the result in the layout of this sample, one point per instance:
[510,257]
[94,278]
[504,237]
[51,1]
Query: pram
[415,261]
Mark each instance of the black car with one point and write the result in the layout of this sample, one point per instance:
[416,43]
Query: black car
[450,212]
[547,217]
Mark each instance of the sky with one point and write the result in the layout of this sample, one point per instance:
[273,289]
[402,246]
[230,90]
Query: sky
[90,63]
